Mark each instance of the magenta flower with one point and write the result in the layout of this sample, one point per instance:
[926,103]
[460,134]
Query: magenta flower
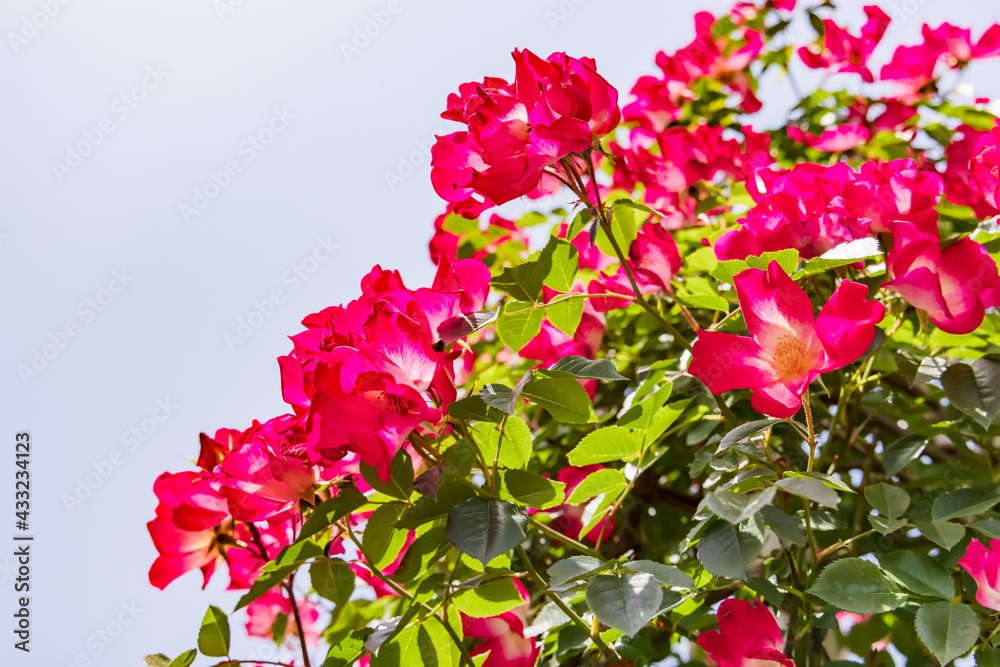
[504,636]
[184,530]
[955,285]
[847,53]
[886,193]
[961,186]
[788,346]
[555,107]
[984,566]
[954,45]
[259,478]
[747,635]
[985,167]
[802,208]
[263,612]
[835,139]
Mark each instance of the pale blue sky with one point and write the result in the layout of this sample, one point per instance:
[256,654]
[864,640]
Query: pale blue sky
[169,93]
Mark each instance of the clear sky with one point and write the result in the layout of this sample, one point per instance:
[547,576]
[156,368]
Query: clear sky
[234,161]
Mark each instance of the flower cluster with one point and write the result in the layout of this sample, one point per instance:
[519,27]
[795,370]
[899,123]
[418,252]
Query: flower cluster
[515,131]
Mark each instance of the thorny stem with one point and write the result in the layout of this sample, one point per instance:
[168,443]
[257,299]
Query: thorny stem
[556,535]
[466,658]
[298,623]
[566,609]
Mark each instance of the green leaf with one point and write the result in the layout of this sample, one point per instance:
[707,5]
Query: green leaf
[489,599]
[382,541]
[974,389]
[472,408]
[333,579]
[857,586]
[726,551]
[810,489]
[273,573]
[987,657]
[278,627]
[157,660]
[963,502]
[565,315]
[583,368]
[667,575]
[520,323]
[943,533]
[788,260]
[624,226]
[947,630]
[704,301]
[885,525]
[850,252]
[607,480]
[744,432]
[891,501]
[422,645]
[458,327]
[611,443]
[515,447]
[347,652]
[522,282]
[664,418]
[498,396]
[919,573]
[786,527]
[484,529]
[564,260]
[213,637]
[569,570]
[400,484]
[565,399]
[640,416]
[426,549]
[330,511]
[624,602]
[184,659]
[899,454]
[738,507]
[527,488]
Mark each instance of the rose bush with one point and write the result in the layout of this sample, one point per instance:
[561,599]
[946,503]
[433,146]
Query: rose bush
[569,451]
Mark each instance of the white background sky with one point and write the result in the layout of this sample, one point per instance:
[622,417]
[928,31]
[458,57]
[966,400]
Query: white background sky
[161,338]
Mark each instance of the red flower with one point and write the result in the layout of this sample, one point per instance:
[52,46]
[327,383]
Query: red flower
[954,285]
[985,167]
[185,530]
[747,635]
[504,636]
[263,612]
[847,53]
[555,107]
[984,566]
[788,346]
[802,208]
